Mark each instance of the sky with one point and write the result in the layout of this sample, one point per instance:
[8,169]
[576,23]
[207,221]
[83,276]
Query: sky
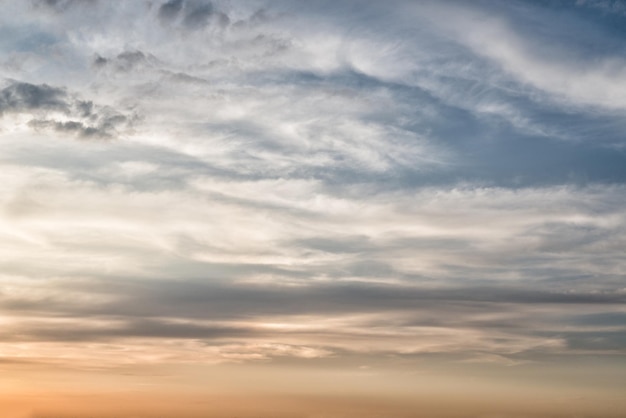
[320,209]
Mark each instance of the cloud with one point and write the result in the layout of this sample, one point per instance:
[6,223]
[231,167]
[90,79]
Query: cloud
[52,108]
[19,97]
[560,70]
[126,61]
[170,9]
[61,5]
[49,331]
[77,128]
[196,14]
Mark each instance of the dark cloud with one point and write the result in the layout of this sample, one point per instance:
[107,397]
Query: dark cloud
[364,245]
[99,61]
[185,78]
[102,130]
[99,126]
[19,97]
[505,316]
[170,10]
[85,108]
[596,340]
[599,319]
[126,61]
[130,59]
[258,17]
[215,300]
[143,328]
[197,14]
[62,5]
[86,119]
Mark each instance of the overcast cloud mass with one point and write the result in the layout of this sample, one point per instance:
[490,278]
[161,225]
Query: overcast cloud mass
[350,184]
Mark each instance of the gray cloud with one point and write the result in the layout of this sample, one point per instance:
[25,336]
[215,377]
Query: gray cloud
[42,101]
[207,300]
[19,97]
[462,323]
[196,14]
[148,328]
[170,9]
[79,128]
[61,5]
[125,61]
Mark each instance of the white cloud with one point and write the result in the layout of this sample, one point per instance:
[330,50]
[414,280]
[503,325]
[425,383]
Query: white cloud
[599,82]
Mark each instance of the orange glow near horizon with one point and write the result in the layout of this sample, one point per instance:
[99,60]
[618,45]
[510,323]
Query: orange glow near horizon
[168,405]
[248,390]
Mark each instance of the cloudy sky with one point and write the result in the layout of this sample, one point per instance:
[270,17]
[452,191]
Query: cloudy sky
[418,204]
